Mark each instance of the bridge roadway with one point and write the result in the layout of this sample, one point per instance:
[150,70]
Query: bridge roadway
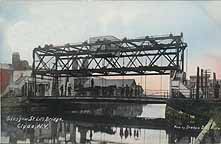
[180,102]
[142,99]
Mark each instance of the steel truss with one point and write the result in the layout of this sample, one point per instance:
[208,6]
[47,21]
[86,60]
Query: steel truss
[150,55]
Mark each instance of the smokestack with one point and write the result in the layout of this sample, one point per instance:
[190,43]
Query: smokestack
[214,78]
[197,83]
[202,87]
[15,59]
[206,93]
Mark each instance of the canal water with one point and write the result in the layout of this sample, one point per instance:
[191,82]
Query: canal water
[100,124]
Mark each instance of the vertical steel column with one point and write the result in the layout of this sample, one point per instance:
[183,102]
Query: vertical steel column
[182,60]
[33,72]
[178,56]
[55,84]
[66,84]
[56,75]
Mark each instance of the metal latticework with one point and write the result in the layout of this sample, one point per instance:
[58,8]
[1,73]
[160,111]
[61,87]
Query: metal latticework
[150,55]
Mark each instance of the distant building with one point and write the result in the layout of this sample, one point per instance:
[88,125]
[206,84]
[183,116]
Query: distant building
[106,39]
[10,73]
[19,64]
[205,89]
[112,87]
[193,79]
[101,82]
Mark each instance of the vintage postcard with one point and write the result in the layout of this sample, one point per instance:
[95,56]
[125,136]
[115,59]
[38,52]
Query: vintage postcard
[110,72]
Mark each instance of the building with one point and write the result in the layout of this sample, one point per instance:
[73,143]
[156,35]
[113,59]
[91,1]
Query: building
[206,86]
[106,39]
[101,82]
[6,77]
[11,73]
[111,87]
[19,64]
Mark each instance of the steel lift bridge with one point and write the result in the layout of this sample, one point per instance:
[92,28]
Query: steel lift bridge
[109,56]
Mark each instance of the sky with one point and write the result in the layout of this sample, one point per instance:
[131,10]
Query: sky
[25,25]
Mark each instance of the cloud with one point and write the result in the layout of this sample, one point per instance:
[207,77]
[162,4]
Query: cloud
[10,13]
[65,22]
[214,11]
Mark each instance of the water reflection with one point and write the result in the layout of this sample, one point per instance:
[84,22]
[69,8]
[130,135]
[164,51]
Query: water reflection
[109,123]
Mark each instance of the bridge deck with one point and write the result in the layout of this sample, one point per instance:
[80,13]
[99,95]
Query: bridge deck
[151,100]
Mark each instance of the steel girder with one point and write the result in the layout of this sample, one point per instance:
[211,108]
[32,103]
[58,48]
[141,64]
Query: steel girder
[150,55]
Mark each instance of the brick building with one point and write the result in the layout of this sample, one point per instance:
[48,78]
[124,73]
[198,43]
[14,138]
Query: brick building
[9,73]
[6,76]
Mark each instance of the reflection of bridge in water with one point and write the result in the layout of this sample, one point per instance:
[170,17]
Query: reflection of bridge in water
[121,121]
[84,128]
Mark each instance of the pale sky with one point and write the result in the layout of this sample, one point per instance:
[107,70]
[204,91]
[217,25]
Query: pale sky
[25,25]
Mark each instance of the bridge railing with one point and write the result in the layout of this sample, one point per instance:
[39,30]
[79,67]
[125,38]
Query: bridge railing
[109,92]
